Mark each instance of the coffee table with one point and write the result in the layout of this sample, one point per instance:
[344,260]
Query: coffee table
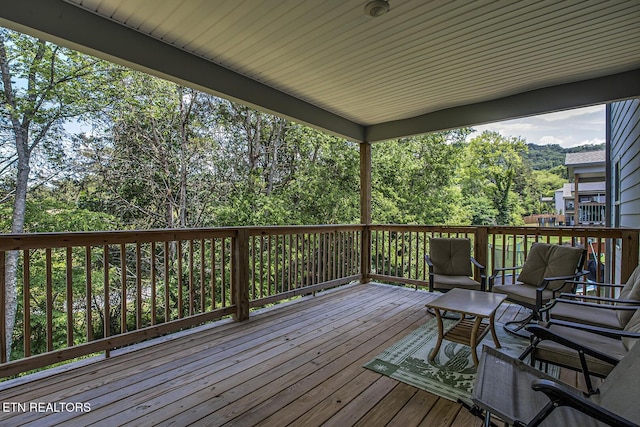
[473,306]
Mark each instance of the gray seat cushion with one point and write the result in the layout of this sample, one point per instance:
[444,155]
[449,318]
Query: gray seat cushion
[450,282]
[588,315]
[555,353]
[522,293]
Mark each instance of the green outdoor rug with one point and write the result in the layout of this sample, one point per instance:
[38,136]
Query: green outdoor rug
[452,373]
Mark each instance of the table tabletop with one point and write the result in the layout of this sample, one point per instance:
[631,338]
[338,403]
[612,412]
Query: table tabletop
[466,301]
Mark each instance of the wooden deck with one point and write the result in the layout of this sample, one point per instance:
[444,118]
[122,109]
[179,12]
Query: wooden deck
[297,364]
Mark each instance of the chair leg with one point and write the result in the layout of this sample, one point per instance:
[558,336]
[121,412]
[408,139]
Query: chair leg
[515,327]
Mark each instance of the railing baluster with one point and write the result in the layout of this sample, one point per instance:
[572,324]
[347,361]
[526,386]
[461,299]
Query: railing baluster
[167,300]
[89,291]
[223,273]
[202,276]
[213,273]
[179,278]
[153,270]
[106,326]
[49,310]
[192,292]
[138,286]
[3,311]
[123,288]
[69,292]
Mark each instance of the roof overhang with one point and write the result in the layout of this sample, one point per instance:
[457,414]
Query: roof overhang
[423,67]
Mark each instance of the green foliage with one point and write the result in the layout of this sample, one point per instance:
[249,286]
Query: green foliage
[413,179]
[493,165]
[552,156]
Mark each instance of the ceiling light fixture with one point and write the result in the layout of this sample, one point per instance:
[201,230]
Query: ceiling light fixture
[377,8]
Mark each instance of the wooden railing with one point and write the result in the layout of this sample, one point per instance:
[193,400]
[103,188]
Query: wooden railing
[157,282]
[86,293]
[289,261]
[397,251]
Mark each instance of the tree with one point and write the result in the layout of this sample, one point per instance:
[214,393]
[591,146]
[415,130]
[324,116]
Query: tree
[414,179]
[494,163]
[156,155]
[43,87]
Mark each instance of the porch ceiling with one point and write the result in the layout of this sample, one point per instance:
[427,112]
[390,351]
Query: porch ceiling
[424,66]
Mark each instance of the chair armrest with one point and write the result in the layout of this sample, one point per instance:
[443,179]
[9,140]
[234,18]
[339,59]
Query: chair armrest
[545,283]
[565,279]
[497,271]
[565,297]
[561,395]
[602,284]
[483,274]
[427,258]
[607,332]
[629,304]
[544,333]
[477,264]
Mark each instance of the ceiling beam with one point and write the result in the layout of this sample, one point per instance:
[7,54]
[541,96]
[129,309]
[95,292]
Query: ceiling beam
[78,29]
[546,100]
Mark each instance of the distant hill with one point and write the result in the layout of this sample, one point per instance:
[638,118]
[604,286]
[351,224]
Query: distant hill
[544,157]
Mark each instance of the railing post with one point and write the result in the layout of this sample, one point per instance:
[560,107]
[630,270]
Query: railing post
[481,248]
[365,254]
[240,279]
[630,253]
[365,210]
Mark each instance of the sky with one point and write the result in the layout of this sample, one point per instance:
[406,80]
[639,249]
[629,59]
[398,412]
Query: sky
[566,128]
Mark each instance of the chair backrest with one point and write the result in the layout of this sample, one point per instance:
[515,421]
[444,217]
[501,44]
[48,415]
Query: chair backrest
[621,388]
[549,260]
[450,257]
[630,291]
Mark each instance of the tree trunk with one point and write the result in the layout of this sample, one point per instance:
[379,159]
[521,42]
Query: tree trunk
[17,226]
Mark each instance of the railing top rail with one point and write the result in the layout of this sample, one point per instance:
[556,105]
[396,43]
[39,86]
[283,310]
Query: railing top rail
[561,231]
[298,229]
[21,241]
[429,228]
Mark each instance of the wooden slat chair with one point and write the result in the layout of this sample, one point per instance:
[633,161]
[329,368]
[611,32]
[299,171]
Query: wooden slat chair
[521,395]
[546,273]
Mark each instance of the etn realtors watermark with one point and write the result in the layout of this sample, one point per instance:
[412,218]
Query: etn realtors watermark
[45,407]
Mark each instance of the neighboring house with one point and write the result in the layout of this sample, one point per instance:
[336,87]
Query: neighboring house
[587,205]
[623,147]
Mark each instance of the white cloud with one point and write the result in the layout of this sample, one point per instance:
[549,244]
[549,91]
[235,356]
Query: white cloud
[565,128]
[567,114]
[548,139]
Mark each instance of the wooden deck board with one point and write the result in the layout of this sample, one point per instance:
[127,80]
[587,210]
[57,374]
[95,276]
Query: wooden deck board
[299,363]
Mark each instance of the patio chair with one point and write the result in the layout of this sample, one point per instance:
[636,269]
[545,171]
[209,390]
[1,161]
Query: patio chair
[613,313]
[521,395]
[590,349]
[542,277]
[450,265]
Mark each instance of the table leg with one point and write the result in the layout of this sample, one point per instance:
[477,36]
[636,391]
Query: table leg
[436,349]
[493,330]
[474,340]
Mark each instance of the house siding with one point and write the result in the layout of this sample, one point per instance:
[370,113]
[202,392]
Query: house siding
[625,155]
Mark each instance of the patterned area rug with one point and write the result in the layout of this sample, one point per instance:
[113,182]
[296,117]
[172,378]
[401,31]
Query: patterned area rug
[452,373]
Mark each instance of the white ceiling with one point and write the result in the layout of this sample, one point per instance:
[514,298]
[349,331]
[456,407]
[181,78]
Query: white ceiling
[424,66]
